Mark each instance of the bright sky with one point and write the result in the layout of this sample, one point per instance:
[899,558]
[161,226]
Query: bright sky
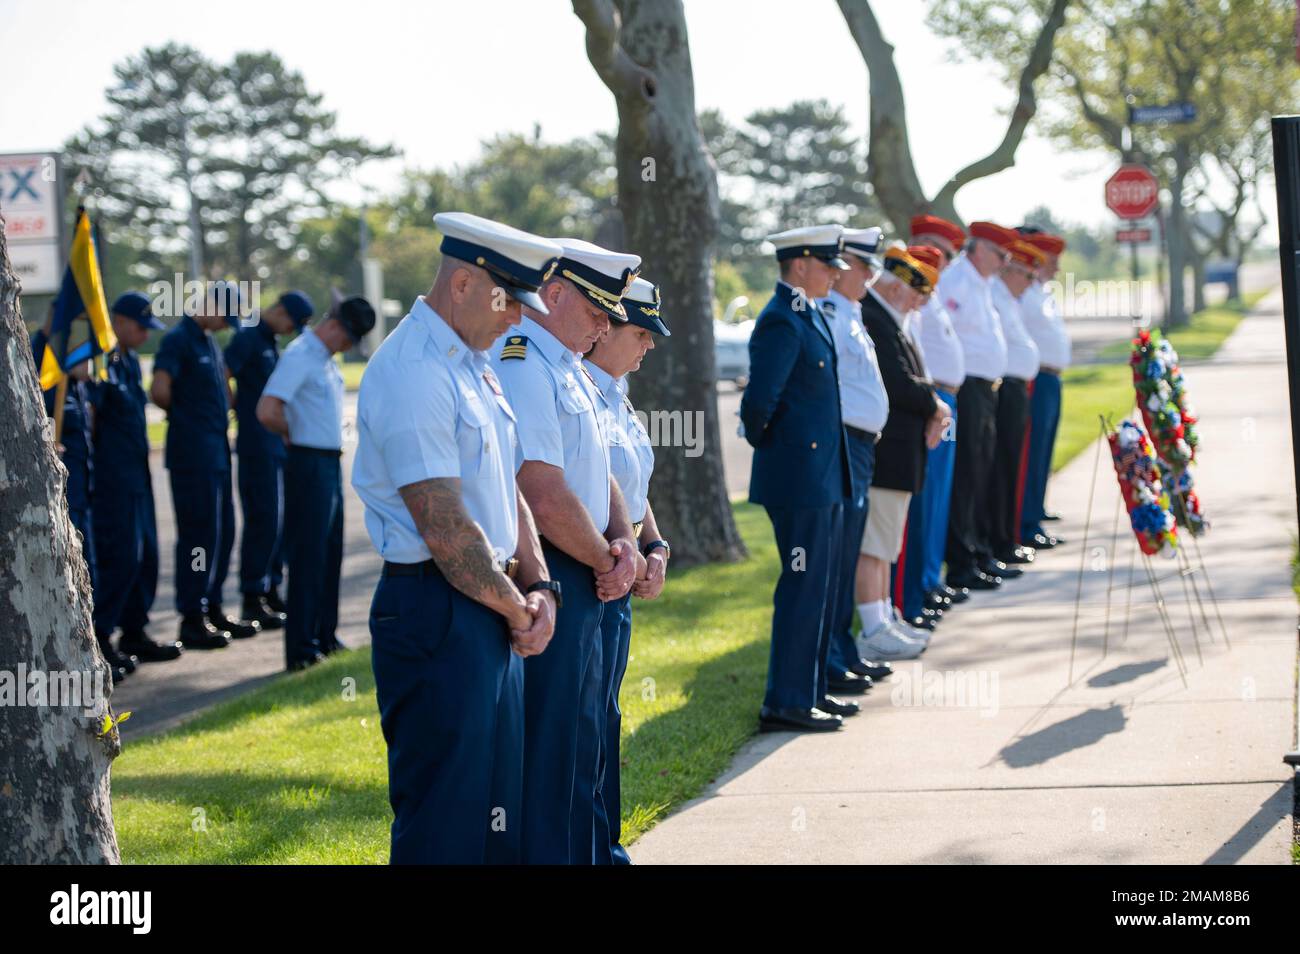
[437,78]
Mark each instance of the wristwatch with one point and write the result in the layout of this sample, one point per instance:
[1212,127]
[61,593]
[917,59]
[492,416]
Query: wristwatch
[656,545]
[552,585]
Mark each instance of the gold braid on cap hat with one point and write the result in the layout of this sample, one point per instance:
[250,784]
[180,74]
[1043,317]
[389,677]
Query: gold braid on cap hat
[609,299]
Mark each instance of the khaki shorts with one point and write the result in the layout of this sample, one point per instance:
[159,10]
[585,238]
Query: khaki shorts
[886,518]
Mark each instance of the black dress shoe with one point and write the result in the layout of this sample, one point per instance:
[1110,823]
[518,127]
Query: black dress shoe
[937,601]
[117,672]
[838,706]
[139,645]
[332,645]
[974,579]
[875,671]
[306,662]
[1017,556]
[926,623]
[257,611]
[235,628]
[114,657]
[959,594]
[1042,541]
[198,633]
[797,720]
[849,683]
[998,568]
[274,602]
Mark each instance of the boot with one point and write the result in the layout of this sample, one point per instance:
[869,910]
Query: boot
[139,644]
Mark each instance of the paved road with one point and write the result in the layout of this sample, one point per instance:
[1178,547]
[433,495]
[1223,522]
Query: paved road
[987,753]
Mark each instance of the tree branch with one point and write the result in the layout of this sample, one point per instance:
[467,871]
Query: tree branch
[1004,156]
[618,71]
[889,157]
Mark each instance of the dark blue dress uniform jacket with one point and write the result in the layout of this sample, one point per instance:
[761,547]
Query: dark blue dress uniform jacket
[791,408]
[901,453]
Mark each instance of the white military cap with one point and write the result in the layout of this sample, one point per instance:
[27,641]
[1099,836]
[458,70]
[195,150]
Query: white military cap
[603,276]
[864,244]
[519,260]
[642,304]
[818,241]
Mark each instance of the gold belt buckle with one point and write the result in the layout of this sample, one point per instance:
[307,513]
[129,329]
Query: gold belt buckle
[512,567]
[997,383]
[636,530]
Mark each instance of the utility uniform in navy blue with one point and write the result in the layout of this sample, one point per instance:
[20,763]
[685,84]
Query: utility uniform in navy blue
[800,473]
[198,461]
[78,458]
[125,529]
[251,356]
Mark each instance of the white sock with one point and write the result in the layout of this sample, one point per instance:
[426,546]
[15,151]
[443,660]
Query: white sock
[872,614]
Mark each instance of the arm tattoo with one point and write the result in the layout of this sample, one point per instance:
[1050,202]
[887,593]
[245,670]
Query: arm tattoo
[456,542]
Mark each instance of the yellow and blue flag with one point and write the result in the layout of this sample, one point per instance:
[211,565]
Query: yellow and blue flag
[81,296]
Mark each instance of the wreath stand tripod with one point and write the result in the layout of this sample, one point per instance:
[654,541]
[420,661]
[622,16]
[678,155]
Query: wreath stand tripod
[1187,573]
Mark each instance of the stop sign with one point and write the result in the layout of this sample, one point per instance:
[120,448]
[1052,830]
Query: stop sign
[1132,192]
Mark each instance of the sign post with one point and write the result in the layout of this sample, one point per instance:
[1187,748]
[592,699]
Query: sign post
[31,200]
[1132,192]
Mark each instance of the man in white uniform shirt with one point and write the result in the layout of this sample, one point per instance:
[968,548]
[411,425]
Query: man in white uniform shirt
[864,406]
[934,241]
[465,591]
[303,403]
[1002,507]
[587,538]
[1044,323]
[964,294]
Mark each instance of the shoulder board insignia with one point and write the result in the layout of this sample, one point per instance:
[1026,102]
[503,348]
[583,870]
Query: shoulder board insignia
[516,347]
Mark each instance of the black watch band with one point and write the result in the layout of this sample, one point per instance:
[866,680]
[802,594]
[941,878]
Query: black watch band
[552,585]
[656,545]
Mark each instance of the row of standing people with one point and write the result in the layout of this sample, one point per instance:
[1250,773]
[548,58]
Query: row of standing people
[862,365]
[505,477]
[289,414]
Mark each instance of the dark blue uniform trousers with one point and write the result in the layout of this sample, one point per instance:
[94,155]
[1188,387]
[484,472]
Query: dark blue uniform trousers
[1044,416]
[810,545]
[448,689]
[126,544]
[862,463]
[313,522]
[205,536]
[564,716]
[261,499]
[927,520]
[615,644]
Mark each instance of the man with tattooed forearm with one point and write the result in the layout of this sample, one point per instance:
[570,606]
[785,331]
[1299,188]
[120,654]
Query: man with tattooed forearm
[587,539]
[465,593]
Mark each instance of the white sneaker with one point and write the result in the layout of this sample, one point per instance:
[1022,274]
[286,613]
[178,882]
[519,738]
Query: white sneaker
[886,642]
[910,631]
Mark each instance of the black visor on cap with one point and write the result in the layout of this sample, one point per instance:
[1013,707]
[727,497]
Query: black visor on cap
[645,314]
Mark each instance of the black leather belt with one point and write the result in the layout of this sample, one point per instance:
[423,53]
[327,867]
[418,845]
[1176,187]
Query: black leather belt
[430,567]
[319,451]
[869,436]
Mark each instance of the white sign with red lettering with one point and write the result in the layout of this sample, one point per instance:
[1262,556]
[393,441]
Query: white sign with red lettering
[29,201]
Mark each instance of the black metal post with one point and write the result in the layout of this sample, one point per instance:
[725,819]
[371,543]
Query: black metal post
[1286,172]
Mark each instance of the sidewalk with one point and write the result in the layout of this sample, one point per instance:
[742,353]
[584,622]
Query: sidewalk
[1124,765]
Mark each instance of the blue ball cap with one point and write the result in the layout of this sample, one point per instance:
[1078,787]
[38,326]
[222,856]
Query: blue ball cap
[298,305]
[223,296]
[136,306]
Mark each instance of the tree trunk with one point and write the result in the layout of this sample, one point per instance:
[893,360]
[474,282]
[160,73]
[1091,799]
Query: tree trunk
[54,767]
[668,197]
[1198,277]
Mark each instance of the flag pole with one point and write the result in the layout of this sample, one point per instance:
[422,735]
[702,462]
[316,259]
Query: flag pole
[60,395]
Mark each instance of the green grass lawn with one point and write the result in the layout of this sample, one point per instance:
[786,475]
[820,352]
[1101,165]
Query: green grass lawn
[295,773]
[1106,388]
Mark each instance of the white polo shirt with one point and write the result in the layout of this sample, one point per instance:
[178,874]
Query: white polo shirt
[1045,325]
[944,358]
[964,294]
[1022,353]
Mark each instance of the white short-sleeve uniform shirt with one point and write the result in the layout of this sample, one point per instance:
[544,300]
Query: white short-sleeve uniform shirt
[430,406]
